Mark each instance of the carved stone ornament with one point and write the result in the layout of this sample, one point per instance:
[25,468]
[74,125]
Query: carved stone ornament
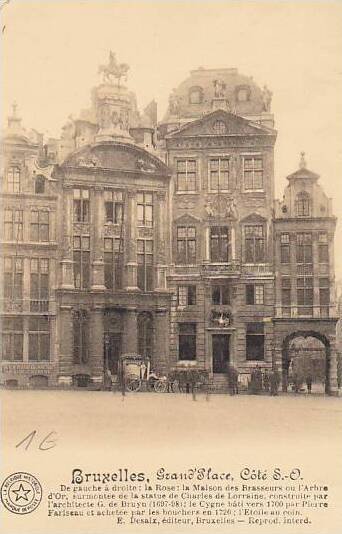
[222,319]
[145,166]
[186,204]
[111,230]
[145,232]
[224,207]
[80,228]
[91,161]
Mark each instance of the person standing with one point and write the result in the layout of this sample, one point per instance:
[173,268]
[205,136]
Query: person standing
[308,381]
[274,382]
[266,381]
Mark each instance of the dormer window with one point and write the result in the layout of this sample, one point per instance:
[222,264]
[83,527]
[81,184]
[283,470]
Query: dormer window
[243,93]
[39,186]
[220,127]
[195,95]
[13,180]
[303,204]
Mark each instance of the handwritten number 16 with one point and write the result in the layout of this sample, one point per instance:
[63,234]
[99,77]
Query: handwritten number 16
[44,445]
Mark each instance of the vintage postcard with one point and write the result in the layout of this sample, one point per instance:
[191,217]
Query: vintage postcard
[171,267]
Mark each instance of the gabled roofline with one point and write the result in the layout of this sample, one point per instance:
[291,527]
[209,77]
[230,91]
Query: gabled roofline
[264,130]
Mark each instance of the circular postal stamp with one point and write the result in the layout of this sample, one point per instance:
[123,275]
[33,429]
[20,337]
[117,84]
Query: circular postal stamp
[21,493]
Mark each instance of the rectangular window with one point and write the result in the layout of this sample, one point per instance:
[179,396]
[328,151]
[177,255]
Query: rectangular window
[39,339]
[323,248]
[305,296]
[13,225]
[40,226]
[220,294]
[81,205]
[145,264]
[81,337]
[113,263]
[113,206]
[13,184]
[304,248]
[324,296]
[253,174]
[186,295]
[145,209]
[39,285]
[286,296]
[254,294]
[12,339]
[186,175]
[186,245]
[81,257]
[187,341]
[13,281]
[219,244]
[219,174]
[255,341]
[285,248]
[254,244]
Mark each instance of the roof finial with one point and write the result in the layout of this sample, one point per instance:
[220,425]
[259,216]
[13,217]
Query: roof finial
[302,162]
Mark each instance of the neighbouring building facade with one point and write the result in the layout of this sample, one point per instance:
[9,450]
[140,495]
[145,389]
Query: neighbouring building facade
[128,235]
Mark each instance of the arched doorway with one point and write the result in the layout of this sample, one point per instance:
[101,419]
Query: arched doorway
[305,357]
[145,335]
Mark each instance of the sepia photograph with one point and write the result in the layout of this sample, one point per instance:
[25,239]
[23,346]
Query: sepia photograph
[171,267]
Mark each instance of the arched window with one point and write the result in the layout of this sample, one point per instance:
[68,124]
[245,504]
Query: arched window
[13,180]
[39,186]
[303,204]
[145,334]
[195,95]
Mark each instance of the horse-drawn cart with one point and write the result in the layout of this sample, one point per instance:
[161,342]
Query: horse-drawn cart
[135,374]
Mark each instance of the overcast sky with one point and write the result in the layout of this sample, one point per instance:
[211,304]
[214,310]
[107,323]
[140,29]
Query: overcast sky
[51,51]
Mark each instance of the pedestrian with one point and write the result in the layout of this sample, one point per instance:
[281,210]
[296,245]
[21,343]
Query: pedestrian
[233,378]
[266,381]
[308,381]
[274,382]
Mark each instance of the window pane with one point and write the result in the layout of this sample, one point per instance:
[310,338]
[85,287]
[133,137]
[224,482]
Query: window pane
[250,294]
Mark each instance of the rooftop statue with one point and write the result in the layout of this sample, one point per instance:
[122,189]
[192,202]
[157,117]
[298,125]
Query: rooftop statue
[113,70]
[267,98]
[219,88]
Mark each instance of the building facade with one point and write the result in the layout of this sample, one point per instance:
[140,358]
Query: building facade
[163,239]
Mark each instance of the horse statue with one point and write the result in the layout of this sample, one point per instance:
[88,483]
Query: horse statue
[113,70]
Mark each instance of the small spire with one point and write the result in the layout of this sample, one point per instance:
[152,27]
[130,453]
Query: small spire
[302,162]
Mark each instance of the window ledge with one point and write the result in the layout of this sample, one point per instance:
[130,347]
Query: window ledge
[254,190]
[187,192]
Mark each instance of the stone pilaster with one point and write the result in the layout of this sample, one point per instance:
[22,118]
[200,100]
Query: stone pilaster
[333,389]
[160,240]
[96,344]
[98,263]
[65,328]
[67,281]
[161,353]
[130,332]
[131,243]
[315,259]
[293,271]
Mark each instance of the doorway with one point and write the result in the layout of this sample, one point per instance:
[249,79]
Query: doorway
[114,348]
[220,352]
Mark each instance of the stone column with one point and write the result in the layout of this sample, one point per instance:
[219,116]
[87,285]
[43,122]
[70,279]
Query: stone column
[65,334]
[333,389]
[232,242]
[131,242]
[130,332]
[96,344]
[315,259]
[98,219]
[293,274]
[160,238]
[67,281]
[161,352]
